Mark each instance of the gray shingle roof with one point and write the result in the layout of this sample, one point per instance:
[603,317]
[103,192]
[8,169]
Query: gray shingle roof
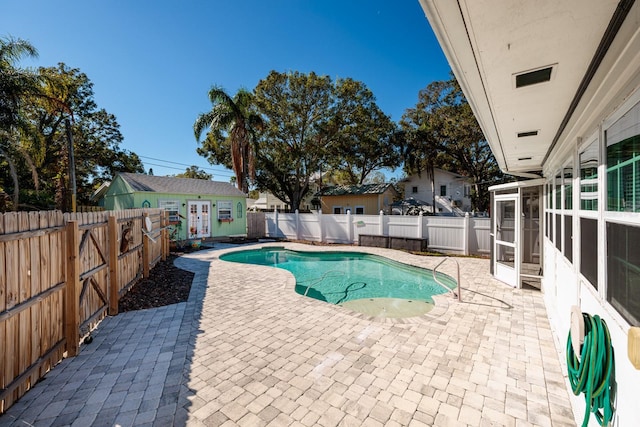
[169,184]
[341,190]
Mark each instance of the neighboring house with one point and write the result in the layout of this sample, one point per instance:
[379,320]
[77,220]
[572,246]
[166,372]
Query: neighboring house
[366,199]
[197,208]
[556,90]
[453,191]
[98,195]
[268,202]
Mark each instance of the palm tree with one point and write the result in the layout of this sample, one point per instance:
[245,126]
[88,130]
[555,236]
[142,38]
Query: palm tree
[16,86]
[15,83]
[234,121]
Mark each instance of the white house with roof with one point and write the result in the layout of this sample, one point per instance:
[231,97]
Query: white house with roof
[452,191]
[555,86]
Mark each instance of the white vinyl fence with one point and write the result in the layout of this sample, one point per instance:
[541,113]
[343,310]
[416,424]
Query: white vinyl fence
[459,235]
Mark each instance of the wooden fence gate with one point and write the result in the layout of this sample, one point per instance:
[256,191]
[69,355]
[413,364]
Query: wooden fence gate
[255,225]
[59,276]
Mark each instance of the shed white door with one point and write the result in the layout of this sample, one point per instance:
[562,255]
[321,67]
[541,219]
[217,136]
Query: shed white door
[199,219]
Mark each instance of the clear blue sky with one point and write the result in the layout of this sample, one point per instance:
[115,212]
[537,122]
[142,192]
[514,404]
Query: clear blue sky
[153,62]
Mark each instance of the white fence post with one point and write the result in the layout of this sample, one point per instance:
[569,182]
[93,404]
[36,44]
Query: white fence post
[275,222]
[321,223]
[297,225]
[465,233]
[381,227]
[419,233]
[349,227]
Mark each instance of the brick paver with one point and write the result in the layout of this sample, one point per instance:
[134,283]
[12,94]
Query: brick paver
[246,350]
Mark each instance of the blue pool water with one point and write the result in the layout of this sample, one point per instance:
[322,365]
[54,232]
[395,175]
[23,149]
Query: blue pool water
[338,277]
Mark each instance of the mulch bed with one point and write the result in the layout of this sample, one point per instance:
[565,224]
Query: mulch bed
[166,284]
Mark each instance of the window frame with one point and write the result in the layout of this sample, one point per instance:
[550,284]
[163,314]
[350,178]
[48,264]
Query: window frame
[221,207]
[173,218]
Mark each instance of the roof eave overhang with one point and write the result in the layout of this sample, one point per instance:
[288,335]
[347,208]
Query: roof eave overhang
[455,43]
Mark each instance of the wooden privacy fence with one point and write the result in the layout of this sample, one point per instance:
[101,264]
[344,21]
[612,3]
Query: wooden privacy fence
[255,225]
[59,276]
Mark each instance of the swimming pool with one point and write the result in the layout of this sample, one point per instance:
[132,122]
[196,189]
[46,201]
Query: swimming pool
[364,282]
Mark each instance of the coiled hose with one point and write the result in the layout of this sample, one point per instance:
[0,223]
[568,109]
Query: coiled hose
[591,374]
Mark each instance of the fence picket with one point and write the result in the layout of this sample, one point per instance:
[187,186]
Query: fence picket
[11,324]
[4,380]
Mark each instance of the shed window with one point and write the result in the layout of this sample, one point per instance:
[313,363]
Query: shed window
[172,207]
[224,209]
[239,210]
[359,210]
[414,189]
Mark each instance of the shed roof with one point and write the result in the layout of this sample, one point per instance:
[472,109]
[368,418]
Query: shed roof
[364,189]
[170,184]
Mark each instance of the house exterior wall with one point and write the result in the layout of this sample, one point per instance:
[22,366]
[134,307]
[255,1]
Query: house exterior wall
[119,197]
[455,188]
[592,167]
[269,202]
[372,203]
[581,210]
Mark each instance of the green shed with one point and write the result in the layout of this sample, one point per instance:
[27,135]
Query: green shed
[197,208]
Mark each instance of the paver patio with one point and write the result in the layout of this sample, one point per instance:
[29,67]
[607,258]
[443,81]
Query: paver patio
[247,350]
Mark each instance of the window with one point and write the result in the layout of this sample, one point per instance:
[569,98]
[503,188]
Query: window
[558,238]
[568,186]
[567,180]
[467,190]
[589,177]
[623,270]
[224,209]
[558,190]
[548,216]
[443,190]
[239,210]
[589,250]
[623,162]
[359,210]
[337,210]
[568,237]
[173,207]
[414,189]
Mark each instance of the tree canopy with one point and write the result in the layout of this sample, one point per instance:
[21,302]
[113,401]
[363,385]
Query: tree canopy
[295,126]
[35,123]
[367,140]
[441,131]
[196,173]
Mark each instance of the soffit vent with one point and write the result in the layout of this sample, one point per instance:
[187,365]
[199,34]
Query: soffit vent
[529,133]
[533,77]
[524,158]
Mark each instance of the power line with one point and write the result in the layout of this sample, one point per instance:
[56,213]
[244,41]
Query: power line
[216,171]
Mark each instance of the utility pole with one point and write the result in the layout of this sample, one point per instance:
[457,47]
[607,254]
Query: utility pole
[72,166]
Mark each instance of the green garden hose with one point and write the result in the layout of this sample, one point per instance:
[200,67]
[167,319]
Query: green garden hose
[591,374]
